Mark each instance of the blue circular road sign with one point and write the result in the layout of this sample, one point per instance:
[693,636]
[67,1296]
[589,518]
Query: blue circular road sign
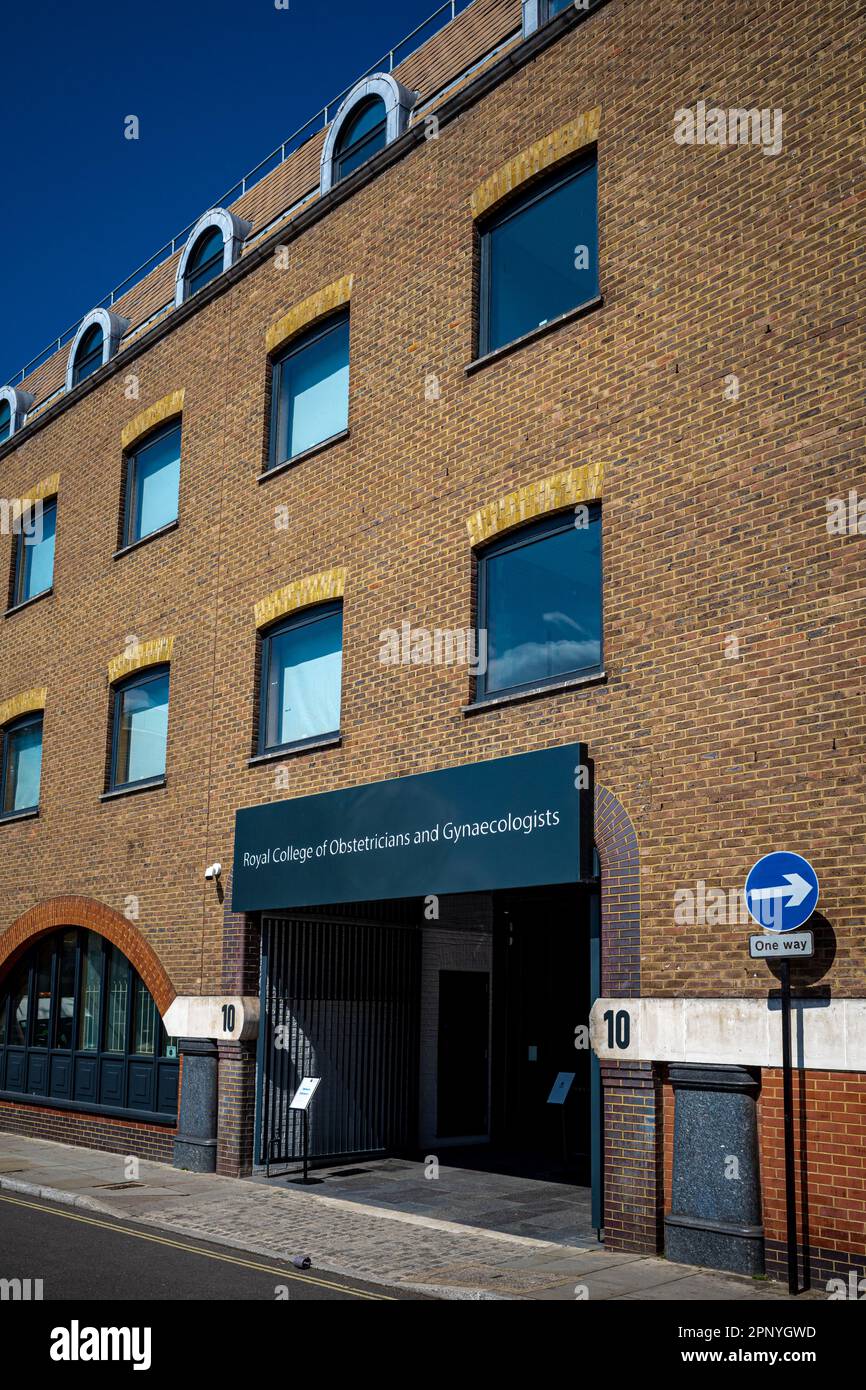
[782,891]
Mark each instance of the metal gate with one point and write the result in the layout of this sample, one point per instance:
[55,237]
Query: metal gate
[340,1000]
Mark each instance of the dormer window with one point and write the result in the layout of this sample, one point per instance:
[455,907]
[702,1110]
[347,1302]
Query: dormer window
[213,246]
[14,405]
[206,261]
[97,340]
[88,358]
[361,137]
[373,115]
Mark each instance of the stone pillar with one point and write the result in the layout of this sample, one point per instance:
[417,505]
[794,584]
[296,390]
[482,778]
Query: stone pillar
[715,1217]
[195,1143]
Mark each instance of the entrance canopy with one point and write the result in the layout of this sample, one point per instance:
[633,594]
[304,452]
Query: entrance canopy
[508,823]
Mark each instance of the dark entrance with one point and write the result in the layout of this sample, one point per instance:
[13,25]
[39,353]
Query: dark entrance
[541,995]
[463,1052]
[340,1002]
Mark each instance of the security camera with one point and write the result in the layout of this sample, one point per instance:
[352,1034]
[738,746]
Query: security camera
[213,871]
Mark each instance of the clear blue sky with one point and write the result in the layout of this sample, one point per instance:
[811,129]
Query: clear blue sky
[215,85]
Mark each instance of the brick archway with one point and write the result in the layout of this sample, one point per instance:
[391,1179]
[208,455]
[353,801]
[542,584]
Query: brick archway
[56,913]
[617,844]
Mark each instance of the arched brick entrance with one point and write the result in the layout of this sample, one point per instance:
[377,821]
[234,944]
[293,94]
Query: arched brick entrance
[616,841]
[54,913]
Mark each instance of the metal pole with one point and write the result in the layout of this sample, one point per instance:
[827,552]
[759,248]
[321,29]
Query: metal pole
[306,1145]
[788,1090]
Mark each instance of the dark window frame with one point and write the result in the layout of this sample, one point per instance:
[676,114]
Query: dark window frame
[306,617]
[5,421]
[24,721]
[194,271]
[517,539]
[128,517]
[85,363]
[540,189]
[18,561]
[118,690]
[343,150]
[157,1061]
[297,345]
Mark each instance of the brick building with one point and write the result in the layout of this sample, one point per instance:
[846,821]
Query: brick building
[559,316]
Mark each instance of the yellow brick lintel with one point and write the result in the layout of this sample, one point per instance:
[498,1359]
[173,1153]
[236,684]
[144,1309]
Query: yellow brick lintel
[154,415]
[49,487]
[314,588]
[25,703]
[308,311]
[570,138]
[137,655]
[565,489]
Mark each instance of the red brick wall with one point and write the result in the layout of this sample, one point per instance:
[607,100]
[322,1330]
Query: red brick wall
[89,1131]
[830,1141]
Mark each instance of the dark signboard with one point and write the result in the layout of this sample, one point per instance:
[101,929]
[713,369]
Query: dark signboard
[510,823]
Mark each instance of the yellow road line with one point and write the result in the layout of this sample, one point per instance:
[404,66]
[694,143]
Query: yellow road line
[194,1250]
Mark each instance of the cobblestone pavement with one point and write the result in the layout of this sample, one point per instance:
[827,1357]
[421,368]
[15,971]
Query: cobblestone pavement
[349,1238]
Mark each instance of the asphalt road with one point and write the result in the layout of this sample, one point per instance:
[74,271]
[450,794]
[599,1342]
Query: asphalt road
[83,1256]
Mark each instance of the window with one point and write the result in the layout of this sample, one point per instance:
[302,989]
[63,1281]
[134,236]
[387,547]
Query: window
[375,113]
[206,261]
[310,390]
[539,256]
[88,355]
[5,420]
[140,729]
[34,554]
[152,484]
[20,765]
[539,599]
[557,6]
[79,1027]
[363,134]
[302,667]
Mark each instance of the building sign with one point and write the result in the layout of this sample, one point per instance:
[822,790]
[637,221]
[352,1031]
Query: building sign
[510,823]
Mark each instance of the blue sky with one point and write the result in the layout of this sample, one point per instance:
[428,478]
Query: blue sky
[215,85]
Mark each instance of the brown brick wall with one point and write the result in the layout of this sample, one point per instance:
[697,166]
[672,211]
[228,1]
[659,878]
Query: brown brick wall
[712,262]
[830,1153]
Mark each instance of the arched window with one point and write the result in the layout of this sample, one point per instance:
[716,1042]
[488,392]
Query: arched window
[88,357]
[20,766]
[5,420]
[79,1028]
[361,137]
[301,674]
[97,340]
[139,734]
[374,114]
[213,245]
[206,261]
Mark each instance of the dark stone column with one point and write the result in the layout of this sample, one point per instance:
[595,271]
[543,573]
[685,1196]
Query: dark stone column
[195,1144]
[715,1218]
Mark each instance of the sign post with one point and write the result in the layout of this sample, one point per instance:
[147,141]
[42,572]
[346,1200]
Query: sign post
[301,1101]
[781,894]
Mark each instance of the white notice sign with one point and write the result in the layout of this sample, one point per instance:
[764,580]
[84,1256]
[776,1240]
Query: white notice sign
[305,1092]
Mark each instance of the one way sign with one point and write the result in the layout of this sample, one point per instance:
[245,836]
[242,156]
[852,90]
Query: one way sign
[782,891]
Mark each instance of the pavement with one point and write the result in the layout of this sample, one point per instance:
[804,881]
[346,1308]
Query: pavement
[407,1251]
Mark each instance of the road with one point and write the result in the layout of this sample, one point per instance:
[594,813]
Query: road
[83,1256]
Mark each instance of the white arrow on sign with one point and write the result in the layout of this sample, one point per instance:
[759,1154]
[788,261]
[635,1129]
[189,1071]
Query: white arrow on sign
[796,892]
